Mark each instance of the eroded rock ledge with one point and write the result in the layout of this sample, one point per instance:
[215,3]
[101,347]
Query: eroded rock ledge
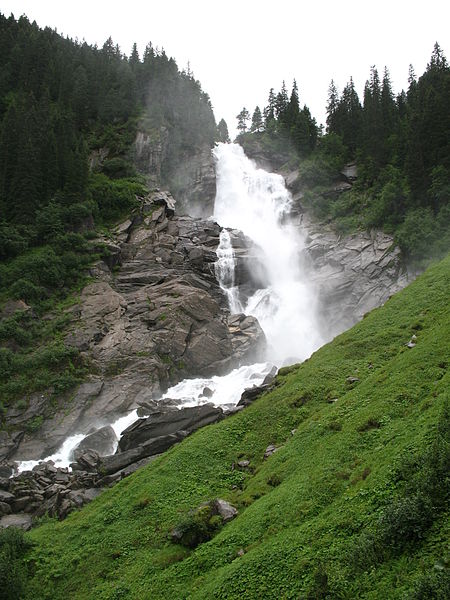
[153,315]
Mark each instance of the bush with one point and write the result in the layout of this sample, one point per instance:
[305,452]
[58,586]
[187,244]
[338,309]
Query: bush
[415,234]
[12,242]
[114,197]
[198,526]
[118,168]
[13,546]
[23,289]
[431,586]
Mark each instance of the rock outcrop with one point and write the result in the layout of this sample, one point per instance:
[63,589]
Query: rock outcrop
[151,317]
[353,274]
[47,489]
[193,181]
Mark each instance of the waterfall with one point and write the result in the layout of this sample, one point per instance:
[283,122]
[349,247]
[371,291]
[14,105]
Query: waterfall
[258,203]
[224,269]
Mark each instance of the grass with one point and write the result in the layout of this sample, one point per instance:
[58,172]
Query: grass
[33,355]
[352,504]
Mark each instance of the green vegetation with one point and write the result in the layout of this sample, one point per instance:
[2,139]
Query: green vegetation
[400,145]
[33,356]
[353,504]
[69,114]
[13,547]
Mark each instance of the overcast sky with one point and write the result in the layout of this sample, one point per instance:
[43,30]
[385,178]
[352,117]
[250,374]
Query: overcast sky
[239,49]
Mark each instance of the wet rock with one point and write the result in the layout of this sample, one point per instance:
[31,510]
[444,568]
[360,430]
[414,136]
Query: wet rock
[88,461]
[207,392]
[6,469]
[112,464]
[5,509]
[4,483]
[9,442]
[251,394]
[21,504]
[6,497]
[184,420]
[103,441]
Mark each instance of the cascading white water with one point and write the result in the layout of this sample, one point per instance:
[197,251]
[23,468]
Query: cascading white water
[224,269]
[258,203]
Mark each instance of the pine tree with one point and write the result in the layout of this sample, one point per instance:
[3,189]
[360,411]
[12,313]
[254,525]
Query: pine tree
[437,60]
[242,118]
[222,129]
[269,110]
[293,107]
[281,102]
[332,107]
[257,121]
[134,59]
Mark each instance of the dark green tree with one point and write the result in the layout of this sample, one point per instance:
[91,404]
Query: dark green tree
[257,121]
[222,129]
[243,117]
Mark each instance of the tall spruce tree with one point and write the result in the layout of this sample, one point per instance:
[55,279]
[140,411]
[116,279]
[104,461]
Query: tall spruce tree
[257,121]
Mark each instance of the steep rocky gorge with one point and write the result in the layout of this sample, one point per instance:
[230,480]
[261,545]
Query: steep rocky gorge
[354,273]
[155,314]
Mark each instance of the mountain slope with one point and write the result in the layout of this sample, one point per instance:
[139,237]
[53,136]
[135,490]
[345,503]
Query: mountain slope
[352,504]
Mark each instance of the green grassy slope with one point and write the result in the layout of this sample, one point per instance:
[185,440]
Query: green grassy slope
[352,505]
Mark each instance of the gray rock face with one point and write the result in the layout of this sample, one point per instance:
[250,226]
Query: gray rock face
[353,274]
[197,188]
[158,426]
[150,152]
[193,182]
[103,441]
[161,317]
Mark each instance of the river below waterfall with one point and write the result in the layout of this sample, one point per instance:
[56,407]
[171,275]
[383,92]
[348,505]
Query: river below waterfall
[257,204]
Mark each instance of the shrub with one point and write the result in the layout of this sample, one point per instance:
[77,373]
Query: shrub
[198,526]
[13,546]
[23,289]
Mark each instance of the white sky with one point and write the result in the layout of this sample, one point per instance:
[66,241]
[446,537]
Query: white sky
[239,49]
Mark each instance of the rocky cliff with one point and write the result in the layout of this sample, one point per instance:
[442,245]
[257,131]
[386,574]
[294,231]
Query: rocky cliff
[192,181]
[353,273]
[152,315]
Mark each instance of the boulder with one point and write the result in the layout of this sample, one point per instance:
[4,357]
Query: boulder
[103,441]
[165,424]
[250,394]
[226,510]
[271,449]
[5,509]
[22,521]
[6,468]
[6,497]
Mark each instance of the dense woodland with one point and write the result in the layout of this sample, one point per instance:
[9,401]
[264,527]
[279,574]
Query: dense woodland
[401,145]
[62,103]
